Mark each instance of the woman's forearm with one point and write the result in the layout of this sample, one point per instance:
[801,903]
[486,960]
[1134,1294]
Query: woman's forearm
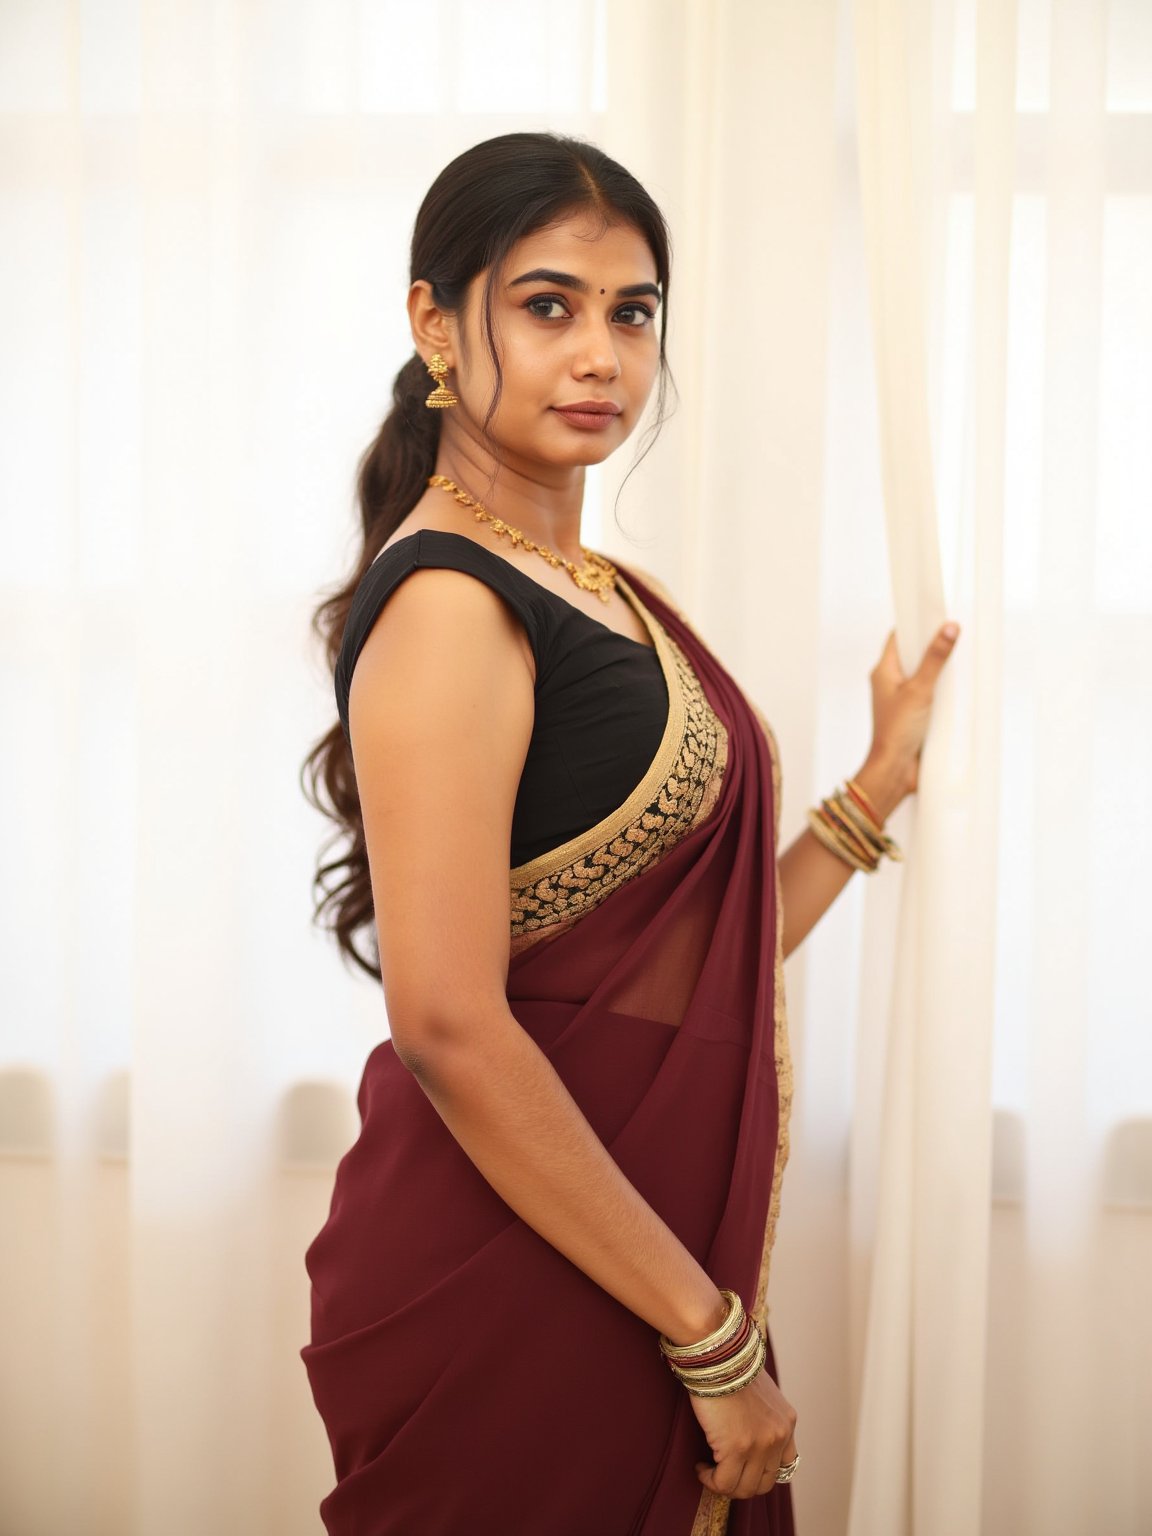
[812,876]
[510,1111]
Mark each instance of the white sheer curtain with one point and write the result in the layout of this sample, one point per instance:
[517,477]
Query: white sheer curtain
[915,370]
[201,283]
[1041,461]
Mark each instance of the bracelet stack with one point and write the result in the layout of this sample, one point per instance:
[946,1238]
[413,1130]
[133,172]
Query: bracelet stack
[848,826]
[726,1360]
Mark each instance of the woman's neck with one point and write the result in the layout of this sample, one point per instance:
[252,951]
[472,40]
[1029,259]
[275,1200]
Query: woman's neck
[543,502]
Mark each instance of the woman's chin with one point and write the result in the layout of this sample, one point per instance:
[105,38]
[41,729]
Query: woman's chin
[590,450]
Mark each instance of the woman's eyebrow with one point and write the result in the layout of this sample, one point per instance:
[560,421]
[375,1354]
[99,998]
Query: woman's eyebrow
[566,280]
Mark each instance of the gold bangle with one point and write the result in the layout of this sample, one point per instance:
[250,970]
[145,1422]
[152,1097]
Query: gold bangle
[869,828]
[830,841]
[734,1386]
[851,832]
[728,1329]
[706,1374]
[869,807]
[864,828]
[724,1368]
[821,831]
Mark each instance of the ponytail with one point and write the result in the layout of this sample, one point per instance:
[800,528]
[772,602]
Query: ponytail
[394,469]
[390,479]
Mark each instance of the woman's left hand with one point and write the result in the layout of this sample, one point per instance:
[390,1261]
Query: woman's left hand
[902,705]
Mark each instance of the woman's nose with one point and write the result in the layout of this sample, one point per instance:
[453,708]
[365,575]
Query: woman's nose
[596,354]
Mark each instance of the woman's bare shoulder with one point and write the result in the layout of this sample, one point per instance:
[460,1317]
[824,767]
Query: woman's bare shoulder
[441,626]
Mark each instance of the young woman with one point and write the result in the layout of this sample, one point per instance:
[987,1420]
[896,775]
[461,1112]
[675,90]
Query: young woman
[539,1299]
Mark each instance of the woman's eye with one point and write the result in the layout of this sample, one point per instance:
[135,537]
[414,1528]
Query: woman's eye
[531,305]
[638,315]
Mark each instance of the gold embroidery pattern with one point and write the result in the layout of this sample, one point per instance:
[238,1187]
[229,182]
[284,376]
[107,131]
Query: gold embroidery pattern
[784,1077]
[711,1515]
[676,794]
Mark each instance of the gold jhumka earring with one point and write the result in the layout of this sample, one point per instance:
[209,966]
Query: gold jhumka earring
[441,397]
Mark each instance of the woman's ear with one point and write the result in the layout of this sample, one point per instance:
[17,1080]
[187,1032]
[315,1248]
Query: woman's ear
[432,328]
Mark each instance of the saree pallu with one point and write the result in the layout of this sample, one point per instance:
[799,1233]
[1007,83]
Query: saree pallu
[472,1380]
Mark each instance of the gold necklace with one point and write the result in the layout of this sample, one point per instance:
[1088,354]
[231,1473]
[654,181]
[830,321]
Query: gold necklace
[596,574]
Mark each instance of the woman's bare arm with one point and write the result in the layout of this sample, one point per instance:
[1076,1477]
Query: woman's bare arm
[440,717]
[812,876]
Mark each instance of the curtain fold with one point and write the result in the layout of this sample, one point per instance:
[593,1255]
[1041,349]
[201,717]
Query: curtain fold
[918,1452]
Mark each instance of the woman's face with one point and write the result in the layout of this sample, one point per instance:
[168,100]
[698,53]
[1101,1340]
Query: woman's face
[575,313]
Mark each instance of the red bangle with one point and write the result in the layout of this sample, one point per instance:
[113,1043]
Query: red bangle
[863,802]
[722,1352]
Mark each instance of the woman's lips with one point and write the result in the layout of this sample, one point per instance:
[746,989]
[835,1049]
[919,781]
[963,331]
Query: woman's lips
[587,421]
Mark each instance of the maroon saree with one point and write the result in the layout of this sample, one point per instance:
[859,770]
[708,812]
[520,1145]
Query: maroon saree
[456,1358]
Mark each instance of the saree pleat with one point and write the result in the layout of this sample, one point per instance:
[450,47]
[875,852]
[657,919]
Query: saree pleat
[473,1380]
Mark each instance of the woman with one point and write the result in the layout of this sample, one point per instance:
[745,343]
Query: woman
[539,1298]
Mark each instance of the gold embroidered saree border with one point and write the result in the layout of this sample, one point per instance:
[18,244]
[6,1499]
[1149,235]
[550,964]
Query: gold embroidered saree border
[678,791]
[783,1054]
[711,1515]
[712,1511]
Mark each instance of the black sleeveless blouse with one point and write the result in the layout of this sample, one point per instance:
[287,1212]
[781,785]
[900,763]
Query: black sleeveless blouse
[601,697]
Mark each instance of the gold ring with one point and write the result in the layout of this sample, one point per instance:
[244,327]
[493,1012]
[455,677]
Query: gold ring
[786,1474]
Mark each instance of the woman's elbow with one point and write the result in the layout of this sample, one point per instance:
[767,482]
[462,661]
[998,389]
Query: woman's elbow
[435,1043]
[420,1039]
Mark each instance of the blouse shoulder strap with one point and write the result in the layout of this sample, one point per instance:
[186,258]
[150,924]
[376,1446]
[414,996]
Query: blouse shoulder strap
[433,547]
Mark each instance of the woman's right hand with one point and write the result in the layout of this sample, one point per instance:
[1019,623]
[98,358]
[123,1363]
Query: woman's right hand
[751,1434]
